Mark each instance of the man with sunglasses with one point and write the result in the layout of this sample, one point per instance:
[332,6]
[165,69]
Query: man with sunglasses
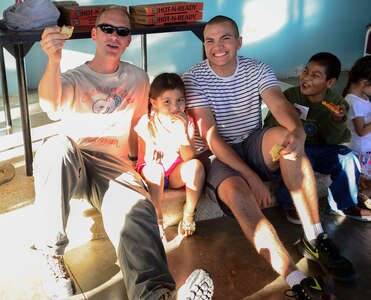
[99,103]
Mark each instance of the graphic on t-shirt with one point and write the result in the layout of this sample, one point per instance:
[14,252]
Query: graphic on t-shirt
[302,111]
[107,106]
[311,129]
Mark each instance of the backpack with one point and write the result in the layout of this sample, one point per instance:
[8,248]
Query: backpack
[31,15]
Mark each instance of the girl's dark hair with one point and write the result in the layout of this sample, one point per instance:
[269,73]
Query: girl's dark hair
[360,70]
[162,83]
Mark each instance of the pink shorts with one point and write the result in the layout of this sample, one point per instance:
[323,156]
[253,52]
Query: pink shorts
[167,172]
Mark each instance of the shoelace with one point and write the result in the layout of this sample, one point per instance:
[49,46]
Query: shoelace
[327,246]
[56,267]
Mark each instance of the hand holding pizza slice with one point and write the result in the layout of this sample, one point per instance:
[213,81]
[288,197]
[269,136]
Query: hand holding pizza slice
[67,30]
[331,106]
[275,152]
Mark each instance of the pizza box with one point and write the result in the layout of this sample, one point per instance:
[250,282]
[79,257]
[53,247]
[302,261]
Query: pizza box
[80,15]
[167,19]
[59,4]
[159,9]
[74,12]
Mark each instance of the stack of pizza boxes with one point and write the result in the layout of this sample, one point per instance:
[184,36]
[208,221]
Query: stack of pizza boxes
[166,13]
[73,14]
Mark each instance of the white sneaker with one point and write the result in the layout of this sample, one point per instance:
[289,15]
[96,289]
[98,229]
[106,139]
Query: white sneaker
[56,280]
[198,286]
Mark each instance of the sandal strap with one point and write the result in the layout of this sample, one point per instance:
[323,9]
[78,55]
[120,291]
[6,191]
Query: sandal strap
[191,226]
[364,201]
[189,215]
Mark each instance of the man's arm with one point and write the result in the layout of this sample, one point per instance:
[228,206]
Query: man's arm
[133,141]
[50,87]
[287,117]
[206,125]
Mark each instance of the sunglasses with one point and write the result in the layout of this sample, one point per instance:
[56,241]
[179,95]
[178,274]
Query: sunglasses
[121,30]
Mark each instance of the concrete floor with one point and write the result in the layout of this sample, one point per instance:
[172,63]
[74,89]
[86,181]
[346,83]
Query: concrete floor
[218,246]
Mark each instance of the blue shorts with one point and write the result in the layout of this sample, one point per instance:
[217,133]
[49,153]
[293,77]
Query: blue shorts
[250,150]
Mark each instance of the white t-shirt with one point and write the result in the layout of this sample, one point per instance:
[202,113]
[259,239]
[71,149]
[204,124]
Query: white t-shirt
[100,107]
[166,141]
[359,107]
[235,101]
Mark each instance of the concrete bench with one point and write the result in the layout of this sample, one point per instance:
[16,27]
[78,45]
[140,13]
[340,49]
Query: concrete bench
[173,202]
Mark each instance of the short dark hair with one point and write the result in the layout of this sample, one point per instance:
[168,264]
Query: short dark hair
[221,19]
[330,62]
[114,7]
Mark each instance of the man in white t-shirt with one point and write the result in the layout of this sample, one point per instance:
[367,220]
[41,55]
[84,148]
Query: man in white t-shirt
[99,104]
[224,96]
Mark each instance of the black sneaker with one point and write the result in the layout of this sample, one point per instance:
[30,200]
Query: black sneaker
[313,288]
[325,253]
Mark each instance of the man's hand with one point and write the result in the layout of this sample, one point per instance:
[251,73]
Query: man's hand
[294,144]
[52,43]
[259,190]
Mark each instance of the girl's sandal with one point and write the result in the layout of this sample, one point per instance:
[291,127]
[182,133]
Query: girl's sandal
[364,201]
[187,226]
[162,232]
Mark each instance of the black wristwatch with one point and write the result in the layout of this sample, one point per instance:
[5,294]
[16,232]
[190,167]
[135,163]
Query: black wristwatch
[132,158]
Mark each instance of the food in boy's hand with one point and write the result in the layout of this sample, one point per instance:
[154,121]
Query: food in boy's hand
[334,108]
[275,152]
[67,30]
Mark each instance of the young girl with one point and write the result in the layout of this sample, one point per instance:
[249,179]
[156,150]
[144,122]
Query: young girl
[357,92]
[166,149]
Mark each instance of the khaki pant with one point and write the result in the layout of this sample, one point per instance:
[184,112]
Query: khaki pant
[62,171]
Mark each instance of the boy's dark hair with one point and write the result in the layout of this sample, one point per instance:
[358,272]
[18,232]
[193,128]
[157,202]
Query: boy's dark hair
[162,83]
[330,62]
[221,19]
[360,70]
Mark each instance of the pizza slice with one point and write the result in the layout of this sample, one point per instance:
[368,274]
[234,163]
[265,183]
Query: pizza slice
[275,152]
[331,106]
[67,30]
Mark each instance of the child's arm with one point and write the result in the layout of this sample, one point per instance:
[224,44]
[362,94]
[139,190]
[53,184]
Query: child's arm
[187,146]
[361,128]
[150,154]
[187,149]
